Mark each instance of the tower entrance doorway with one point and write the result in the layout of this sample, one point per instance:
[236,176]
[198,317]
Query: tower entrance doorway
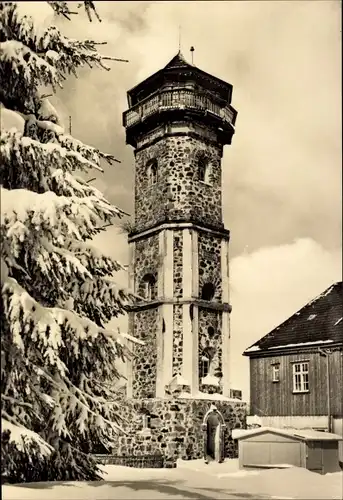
[214,429]
[213,438]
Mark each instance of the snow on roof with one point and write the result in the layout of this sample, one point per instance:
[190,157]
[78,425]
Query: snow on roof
[178,380]
[210,380]
[311,434]
[204,395]
[302,343]
[315,323]
[298,344]
[304,434]
[325,293]
[253,348]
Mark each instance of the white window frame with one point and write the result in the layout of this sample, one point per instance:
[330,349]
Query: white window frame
[301,382]
[276,372]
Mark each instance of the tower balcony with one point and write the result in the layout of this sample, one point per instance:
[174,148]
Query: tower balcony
[178,103]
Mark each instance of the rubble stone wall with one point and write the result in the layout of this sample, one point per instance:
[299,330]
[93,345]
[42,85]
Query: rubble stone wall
[178,194]
[177,339]
[146,262]
[209,248]
[144,361]
[177,263]
[210,345]
[175,427]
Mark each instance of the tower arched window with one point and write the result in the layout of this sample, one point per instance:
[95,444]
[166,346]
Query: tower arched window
[210,331]
[149,286]
[207,291]
[152,171]
[204,169]
[204,367]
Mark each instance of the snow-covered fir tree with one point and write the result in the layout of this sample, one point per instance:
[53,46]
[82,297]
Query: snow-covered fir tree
[57,291]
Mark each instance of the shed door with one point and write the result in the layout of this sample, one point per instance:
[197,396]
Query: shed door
[271,453]
[286,453]
[255,453]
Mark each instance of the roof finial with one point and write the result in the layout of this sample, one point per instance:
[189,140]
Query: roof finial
[192,52]
[179,38]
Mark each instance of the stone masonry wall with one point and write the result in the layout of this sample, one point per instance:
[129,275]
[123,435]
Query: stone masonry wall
[146,262]
[177,264]
[178,192]
[209,248]
[144,361]
[150,200]
[210,345]
[177,340]
[175,427]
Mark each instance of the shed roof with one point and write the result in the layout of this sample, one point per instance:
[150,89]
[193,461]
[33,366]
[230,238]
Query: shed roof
[318,322]
[300,434]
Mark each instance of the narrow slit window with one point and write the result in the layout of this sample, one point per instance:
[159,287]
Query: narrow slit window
[146,421]
[205,367]
[152,172]
[276,372]
[149,287]
[204,170]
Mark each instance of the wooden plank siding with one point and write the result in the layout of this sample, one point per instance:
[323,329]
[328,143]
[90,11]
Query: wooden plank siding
[277,398]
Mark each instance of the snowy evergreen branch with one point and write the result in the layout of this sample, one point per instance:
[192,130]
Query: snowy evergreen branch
[15,401]
[57,291]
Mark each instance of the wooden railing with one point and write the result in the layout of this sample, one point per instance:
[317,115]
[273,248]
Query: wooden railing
[177,99]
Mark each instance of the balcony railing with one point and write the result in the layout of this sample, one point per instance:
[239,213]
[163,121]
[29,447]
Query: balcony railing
[177,99]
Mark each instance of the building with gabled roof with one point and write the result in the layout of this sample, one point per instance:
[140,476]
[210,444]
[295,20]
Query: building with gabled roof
[296,370]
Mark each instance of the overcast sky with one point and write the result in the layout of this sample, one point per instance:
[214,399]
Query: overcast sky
[282,174]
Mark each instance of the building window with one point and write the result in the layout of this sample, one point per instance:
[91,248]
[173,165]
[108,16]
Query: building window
[191,312]
[152,172]
[300,377]
[146,421]
[207,291]
[210,331]
[204,367]
[149,285]
[204,169]
[276,372]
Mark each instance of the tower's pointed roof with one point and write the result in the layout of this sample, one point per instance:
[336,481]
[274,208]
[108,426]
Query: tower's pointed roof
[178,61]
[175,70]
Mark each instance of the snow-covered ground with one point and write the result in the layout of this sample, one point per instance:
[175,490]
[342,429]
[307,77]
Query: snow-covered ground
[190,480]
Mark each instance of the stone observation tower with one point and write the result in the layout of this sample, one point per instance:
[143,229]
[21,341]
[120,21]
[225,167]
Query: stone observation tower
[178,121]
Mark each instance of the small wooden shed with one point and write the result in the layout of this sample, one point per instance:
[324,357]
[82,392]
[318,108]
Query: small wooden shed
[267,447]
